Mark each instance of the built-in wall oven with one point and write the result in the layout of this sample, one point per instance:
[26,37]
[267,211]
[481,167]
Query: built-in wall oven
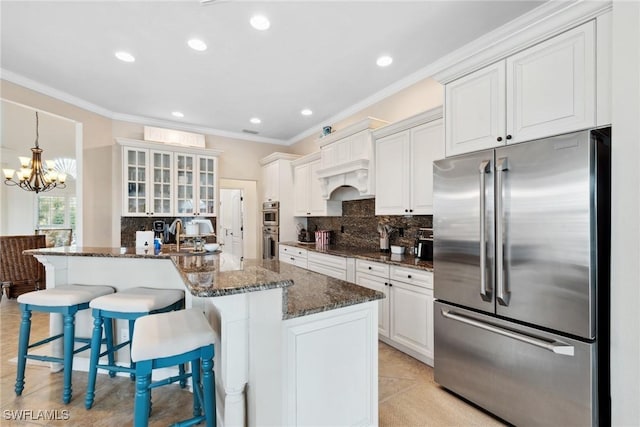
[270,240]
[270,213]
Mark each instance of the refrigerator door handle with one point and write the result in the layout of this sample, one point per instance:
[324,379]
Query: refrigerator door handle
[484,169]
[502,293]
[556,347]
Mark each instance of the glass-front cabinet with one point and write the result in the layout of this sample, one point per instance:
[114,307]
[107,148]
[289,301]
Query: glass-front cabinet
[166,183]
[195,184]
[136,170]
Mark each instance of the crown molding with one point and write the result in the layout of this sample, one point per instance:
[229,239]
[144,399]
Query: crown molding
[368,123]
[408,123]
[278,156]
[20,80]
[306,159]
[539,24]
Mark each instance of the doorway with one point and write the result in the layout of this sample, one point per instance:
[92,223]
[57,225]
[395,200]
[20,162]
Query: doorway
[231,228]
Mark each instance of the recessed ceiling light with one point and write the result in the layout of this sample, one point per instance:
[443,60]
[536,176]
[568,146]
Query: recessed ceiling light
[384,61]
[260,22]
[177,114]
[197,44]
[306,112]
[125,56]
[255,120]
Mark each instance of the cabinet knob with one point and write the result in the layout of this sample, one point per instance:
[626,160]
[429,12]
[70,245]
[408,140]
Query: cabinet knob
[508,136]
[406,210]
[369,268]
[410,210]
[499,139]
[390,284]
[293,259]
[386,284]
[408,276]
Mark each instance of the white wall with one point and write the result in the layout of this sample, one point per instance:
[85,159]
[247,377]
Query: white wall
[625,209]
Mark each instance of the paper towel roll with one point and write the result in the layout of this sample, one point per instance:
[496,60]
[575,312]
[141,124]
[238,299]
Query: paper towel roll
[143,237]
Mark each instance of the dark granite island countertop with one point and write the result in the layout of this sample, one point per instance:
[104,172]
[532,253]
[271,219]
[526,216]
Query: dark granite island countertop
[217,274]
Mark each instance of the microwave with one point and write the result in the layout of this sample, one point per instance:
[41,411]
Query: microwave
[270,213]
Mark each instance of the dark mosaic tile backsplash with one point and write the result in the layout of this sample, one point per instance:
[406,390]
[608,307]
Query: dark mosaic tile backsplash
[129,226]
[358,226]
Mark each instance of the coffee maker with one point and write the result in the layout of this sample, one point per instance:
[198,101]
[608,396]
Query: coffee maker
[159,228]
[424,244]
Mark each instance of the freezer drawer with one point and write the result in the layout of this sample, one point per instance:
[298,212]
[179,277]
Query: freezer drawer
[523,375]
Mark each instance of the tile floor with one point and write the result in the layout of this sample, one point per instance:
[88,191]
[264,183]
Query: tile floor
[408,395]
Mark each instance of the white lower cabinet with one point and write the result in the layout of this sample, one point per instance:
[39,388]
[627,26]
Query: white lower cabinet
[405,316]
[292,255]
[330,265]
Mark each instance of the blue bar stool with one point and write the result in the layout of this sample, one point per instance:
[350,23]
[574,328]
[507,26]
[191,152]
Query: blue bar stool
[129,304]
[66,300]
[169,339]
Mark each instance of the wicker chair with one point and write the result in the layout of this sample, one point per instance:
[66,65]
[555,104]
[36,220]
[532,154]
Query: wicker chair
[20,273]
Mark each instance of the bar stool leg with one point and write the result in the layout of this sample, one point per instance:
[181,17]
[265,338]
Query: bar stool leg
[197,388]
[23,345]
[69,334]
[143,395]
[133,364]
[96,339]
[108,335]
[208,381]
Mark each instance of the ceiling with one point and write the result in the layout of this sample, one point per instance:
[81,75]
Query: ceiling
[319,55]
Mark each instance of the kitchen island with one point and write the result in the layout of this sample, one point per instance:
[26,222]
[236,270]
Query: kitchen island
[293,347]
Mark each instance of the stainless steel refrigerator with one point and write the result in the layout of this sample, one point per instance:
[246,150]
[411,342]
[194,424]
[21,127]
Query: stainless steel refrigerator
[521,278]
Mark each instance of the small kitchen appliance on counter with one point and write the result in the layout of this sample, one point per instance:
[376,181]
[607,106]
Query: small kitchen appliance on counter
[424,244]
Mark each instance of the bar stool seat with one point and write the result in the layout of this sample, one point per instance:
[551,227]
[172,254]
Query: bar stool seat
[169,339]
[66,300]
[129,304]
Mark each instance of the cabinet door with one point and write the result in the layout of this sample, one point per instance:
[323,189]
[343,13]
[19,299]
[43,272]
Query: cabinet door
[300,190]
[317,205]
[551,86]
[411,314]
[270,181]
[475,111]
[427,145]
[392,174]
[207,188]
[378,284]
[161,178]
[185,165]
[136,176]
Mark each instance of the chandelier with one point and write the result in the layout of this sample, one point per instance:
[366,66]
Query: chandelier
[33,176]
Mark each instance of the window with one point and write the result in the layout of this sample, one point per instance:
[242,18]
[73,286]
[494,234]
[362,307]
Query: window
[57,212]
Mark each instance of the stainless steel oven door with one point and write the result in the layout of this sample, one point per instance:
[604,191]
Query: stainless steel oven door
[270,217]
[270,240]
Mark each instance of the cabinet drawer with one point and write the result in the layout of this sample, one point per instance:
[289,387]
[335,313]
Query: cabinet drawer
[298,261]
[327,271]
[412,276]
[332,261]
[371,267]
[290,250]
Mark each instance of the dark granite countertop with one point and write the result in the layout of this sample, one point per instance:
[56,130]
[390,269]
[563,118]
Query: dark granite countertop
[215,275]
[404,260]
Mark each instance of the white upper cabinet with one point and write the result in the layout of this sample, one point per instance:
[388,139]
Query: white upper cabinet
[405,152]
[270,187]
[147,177]
[544,90]
[277,178]
[308,200]
[551,87]
[475,110]
[166,182]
